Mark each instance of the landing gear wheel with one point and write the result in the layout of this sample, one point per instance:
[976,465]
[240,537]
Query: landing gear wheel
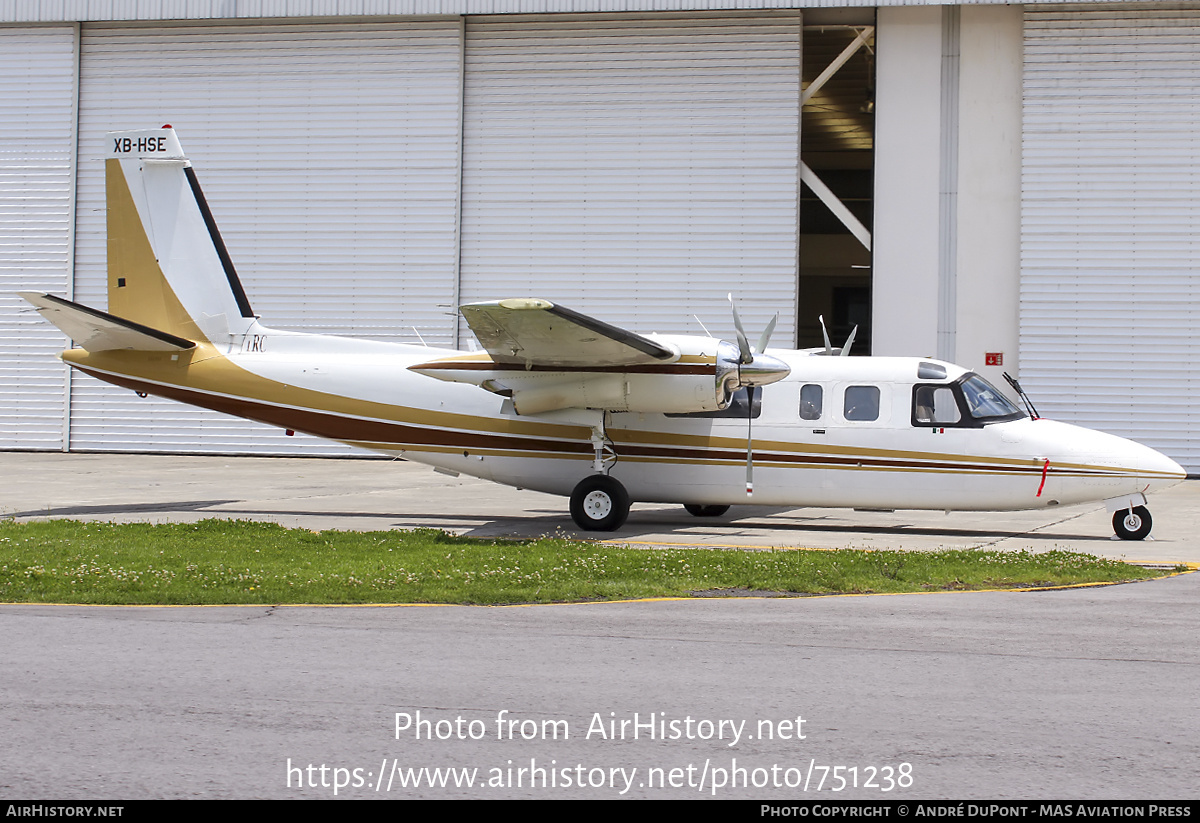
[599,503]
[698,510]
[1132,524]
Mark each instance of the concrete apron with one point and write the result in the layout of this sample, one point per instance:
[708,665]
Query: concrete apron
[374,494]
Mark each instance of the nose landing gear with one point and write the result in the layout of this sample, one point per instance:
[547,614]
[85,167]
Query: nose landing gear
[1132,523]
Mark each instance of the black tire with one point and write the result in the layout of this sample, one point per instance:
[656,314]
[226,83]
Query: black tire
[599,504]
[1132,524]
[700,510]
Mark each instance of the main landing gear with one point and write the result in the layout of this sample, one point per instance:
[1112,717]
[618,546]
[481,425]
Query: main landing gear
[1132,524]
[599,503]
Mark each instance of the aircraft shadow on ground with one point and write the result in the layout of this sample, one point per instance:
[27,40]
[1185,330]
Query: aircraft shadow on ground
[120,508]
[752,520]
[554,523]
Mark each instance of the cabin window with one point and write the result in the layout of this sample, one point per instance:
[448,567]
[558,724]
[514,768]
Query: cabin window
[812,398]
[861,403]
[935,405]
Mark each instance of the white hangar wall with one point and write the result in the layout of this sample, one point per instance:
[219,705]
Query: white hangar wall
[1038,195]
[947,184]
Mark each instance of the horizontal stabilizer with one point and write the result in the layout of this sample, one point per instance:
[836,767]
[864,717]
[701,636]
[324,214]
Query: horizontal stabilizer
[96,331]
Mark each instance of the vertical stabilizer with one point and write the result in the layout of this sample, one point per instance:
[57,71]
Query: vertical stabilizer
[167,265]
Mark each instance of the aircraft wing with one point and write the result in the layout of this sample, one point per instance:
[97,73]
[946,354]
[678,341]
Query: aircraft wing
[95,331]
[532,332]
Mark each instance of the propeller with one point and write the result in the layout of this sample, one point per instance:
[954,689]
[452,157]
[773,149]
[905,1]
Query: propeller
[748,370]
[845,349]
[746,367]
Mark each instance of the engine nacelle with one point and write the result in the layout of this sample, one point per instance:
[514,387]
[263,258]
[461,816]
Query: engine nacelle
[621,392]
[694,382]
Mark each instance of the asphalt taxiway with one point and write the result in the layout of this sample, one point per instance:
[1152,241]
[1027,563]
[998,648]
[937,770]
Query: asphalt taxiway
[1076,694]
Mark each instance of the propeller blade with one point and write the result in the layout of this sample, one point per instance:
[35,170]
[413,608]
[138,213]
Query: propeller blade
[825,334]
[766,335]
[744,351]
[849,342]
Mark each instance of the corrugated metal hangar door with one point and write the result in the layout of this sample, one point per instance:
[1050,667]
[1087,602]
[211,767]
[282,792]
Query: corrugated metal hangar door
[1110,283]
[329,155]
[37,144]
[636,169]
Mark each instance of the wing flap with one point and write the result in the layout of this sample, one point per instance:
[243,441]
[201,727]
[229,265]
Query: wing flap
[97,331]
[533,332]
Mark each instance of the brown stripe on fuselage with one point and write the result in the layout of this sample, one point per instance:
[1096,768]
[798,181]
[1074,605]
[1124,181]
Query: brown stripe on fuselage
[816,460]
[339,427]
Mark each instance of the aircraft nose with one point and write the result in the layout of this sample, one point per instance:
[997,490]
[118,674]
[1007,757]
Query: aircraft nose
[1159,469]
[1151,468]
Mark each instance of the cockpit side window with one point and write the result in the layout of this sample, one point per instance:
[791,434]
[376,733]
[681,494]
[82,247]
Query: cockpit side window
[812,399]
[935,405]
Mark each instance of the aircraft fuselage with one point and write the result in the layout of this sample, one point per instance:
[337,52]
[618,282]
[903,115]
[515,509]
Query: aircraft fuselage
[366,393]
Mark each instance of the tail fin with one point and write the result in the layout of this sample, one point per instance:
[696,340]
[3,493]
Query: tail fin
[168,268]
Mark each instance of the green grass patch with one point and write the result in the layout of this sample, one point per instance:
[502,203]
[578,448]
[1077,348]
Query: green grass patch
[223,561]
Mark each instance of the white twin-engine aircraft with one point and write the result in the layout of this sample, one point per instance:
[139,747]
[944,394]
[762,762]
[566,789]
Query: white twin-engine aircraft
[566,404]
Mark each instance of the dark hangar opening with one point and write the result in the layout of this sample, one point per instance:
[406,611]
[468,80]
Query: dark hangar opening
[837,144]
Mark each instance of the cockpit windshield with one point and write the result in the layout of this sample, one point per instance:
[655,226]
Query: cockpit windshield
[985,401]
